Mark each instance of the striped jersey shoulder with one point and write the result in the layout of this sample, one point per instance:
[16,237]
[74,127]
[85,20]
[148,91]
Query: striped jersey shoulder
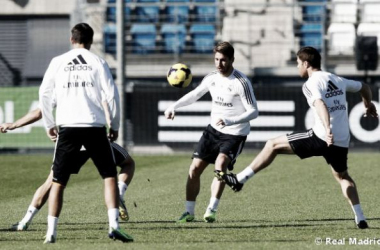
[245,84]
[211,74]
[306,91]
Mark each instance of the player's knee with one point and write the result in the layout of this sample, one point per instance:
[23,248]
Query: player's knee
[270,145]
[194,172]
[343,176]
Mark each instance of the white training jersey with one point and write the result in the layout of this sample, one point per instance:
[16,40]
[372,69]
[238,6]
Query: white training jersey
[233,101]
[332,90]
[81,81]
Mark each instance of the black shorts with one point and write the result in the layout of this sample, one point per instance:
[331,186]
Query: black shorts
[213,142]
[306,144]
[69,143]
[119,152]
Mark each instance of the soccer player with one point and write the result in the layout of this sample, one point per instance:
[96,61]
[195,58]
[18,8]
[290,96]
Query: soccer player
[233,106]
[78,78]
[330,135]
[123,160]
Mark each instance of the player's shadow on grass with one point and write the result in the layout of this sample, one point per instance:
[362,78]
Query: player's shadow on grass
[334,219]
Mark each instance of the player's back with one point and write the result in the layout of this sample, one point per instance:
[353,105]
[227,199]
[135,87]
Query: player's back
[79,79]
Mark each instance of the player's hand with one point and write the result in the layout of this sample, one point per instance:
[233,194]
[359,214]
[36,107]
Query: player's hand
[6,126]
[52,133]
[329,138]
[113,135]
[169,113]
[371,110]
[220,123]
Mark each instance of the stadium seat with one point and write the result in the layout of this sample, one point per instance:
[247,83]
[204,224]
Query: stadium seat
[312,35]
[149,13]
[177,13]
[110,39]
[174,36]
[111,12]
[144,38]
[341,39]
[370,12]
[344,12]
[344,1]
[203,37]
[205,13]
[313,13]
[369,29]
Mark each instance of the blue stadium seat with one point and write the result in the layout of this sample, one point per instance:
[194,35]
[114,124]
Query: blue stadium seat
[177,13]
[110,39]
[312,35]
[205,13]
[203,37]
[314,13]
[111,14]
[174,36]
[144,38]
[148,14]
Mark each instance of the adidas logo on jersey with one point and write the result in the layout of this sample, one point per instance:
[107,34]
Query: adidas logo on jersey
[78,64]
[332,90]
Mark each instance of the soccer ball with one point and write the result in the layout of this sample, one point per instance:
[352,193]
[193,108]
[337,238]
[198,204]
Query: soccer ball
[179,75]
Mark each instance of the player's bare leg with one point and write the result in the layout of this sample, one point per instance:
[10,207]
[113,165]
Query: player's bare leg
[350,192]
[273,147]
[124,179]
[278,145]
[217,187]
[39,199]
[194,178]
[192,188]
[55,207]
[42,193]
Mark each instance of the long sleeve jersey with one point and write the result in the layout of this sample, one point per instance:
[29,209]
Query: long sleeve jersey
[79,78]
[233,101]
[332,90]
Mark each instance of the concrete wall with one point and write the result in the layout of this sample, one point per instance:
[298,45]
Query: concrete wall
[37,7]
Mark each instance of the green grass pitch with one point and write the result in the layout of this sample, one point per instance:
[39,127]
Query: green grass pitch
[286,206]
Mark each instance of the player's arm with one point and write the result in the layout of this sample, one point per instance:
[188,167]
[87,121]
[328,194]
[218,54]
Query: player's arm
[366,94]
[187,99]
[111,95]
[46,95]
[324,115]
[29,118]
[249,102]
[112,135]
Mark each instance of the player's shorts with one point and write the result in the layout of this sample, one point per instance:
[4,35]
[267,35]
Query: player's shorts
[213,142]
[69,143]
[119,152]
[306,144]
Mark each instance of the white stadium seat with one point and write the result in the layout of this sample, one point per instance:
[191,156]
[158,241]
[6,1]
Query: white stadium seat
[370,12]
[344,12]
[341,39]
[369,29]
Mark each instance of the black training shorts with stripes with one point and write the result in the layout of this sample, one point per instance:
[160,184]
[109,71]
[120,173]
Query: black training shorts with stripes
[214,142]
[118,151]
[69,143]
[306,144]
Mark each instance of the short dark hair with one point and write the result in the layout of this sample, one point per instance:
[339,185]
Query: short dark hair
[225,48]
[310,55]
[82,33]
